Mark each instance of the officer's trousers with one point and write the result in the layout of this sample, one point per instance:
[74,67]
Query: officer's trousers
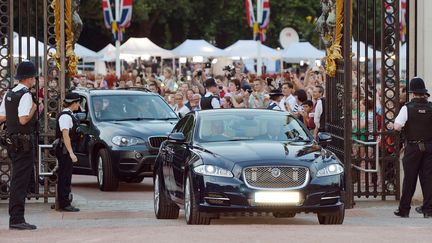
[22,167]
[64,179]
[417,163]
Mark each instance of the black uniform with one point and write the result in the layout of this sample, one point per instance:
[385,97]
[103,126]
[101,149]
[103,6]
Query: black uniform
[64,161]
[21,150]
[206,102]
[417,159]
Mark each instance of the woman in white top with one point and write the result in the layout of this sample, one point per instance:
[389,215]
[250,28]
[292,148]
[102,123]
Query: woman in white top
[180,108]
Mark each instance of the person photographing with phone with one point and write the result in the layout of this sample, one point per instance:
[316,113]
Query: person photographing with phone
[66,131]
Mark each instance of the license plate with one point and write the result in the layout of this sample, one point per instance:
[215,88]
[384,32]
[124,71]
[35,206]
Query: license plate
[277,197]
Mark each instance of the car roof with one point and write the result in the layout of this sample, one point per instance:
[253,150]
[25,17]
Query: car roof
[99,92]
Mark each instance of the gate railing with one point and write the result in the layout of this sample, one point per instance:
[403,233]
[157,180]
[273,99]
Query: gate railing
[24,24]
[363,99]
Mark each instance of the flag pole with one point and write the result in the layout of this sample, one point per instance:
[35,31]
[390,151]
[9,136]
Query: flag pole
[117,43]
[259,18]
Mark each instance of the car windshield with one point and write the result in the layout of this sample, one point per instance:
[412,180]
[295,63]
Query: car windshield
[245,126]
[131,107]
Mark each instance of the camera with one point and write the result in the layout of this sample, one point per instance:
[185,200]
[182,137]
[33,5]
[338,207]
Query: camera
[249,91]
[208,65]
[229,71]
[269,81]
[199,73]
[220,87]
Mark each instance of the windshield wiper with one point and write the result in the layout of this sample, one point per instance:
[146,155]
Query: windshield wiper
[133,119]
[298,139]
[166,118]
[237,139]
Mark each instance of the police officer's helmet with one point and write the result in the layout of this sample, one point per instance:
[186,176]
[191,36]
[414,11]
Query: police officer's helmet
[275,92]
[417,86]
[72,97]
[25,70]
[211,82]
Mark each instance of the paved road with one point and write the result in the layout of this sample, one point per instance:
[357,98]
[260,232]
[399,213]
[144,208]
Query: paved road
[127,216]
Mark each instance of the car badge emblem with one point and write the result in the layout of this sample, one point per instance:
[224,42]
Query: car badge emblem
[275,172]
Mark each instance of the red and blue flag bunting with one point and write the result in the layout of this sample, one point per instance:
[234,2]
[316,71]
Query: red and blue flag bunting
[265,16]
[259,26]
[107,13]
[117,27]
[250,17]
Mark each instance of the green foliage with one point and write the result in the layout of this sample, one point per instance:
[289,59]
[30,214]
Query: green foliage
[222,22]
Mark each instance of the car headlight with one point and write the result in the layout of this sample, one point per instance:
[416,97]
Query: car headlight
[127,141]
[212,170]
[333,169]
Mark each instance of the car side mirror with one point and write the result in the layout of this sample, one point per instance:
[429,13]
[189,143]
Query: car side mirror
[324,138]
[177,137]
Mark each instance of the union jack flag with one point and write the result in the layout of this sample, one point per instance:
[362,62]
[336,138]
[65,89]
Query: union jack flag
[265,16]
[117,27]
[126,13]
[403,21]
[107,13]
[250,17]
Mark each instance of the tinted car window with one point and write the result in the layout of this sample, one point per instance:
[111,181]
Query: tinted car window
[278,126]
[188,128]
[131,107]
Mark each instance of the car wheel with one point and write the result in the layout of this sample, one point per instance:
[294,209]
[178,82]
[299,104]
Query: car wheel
[192,213]
[333,218]
[164,208]
[107,180]
[283,215]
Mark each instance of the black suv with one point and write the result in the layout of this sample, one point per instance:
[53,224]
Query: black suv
[121,134]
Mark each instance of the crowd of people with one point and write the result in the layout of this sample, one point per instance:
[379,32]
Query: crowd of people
[298,90]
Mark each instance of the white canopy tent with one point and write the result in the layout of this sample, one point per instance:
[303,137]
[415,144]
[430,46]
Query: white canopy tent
[301,51]
[85,53]
[191,48]
[249,49]
[28,49]
[107,53]
[144,47]
[370,50]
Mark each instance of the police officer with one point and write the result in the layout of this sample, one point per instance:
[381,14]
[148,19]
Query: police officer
[275,98]
[210,100]
[66,131]
[415,118]
[18,109]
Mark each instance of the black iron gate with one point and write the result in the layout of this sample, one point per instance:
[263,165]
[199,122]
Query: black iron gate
[27,31]
[363,98]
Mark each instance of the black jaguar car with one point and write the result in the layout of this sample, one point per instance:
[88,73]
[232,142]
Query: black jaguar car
[121,134]
[241,160]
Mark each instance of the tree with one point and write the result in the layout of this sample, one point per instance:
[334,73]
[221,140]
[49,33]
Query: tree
[221,22]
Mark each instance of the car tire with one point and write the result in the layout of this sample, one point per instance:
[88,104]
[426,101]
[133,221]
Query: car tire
[107,180]
[283,215]
[333,218]
[164,208]
[192,213]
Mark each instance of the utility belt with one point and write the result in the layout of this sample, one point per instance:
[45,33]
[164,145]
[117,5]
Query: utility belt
[58,146]
[420,143]
[20,142]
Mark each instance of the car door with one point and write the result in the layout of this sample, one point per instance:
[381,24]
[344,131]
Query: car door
[168,153]
[181,155]
[82,144]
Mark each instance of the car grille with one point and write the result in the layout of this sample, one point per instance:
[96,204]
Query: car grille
[156,142]
[276,177]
